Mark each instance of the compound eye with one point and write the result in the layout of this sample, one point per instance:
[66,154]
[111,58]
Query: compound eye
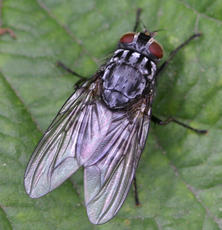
[127,38]
[156,50]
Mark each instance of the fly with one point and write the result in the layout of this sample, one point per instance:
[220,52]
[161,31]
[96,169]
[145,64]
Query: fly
[103,127]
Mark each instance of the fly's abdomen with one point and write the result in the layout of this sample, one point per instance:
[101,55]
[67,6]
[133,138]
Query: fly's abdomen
[126,76]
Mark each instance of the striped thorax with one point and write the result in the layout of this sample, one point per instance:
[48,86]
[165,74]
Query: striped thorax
[131,70]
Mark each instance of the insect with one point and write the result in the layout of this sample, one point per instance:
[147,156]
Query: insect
[103,127]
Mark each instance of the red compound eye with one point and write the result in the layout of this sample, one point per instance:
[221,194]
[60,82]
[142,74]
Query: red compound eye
[156,50]
[127,38]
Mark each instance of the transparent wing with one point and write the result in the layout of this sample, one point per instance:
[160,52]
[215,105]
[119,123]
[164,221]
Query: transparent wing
[65,145]
[108,178]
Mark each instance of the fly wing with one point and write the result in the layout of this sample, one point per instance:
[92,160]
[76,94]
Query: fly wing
[60,152]
[108,179]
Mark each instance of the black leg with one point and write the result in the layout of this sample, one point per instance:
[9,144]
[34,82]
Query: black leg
[171,119]
[137,202]
[138,13]
[80,81]
[174,52]
[60,64]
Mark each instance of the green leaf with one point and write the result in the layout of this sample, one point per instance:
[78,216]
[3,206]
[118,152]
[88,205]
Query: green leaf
[180,173]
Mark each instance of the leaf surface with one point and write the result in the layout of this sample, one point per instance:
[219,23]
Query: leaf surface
[180,173]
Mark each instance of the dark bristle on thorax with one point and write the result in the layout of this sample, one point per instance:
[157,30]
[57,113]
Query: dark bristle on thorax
[129,54]
[143,38]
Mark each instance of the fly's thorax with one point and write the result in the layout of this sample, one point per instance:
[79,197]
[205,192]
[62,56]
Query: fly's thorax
[126,76]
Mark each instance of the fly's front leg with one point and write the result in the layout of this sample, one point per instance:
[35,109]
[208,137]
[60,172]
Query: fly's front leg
[81,80]
[171,119]
[174,52]
[137,22]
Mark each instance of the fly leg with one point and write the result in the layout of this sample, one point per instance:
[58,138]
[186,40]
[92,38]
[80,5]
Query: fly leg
[137,22]
[81,80]
[171,119]
[159,70]
[136,197]
[175,51]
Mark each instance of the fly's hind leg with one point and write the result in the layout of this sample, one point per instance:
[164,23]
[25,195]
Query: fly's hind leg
[136,196]
[81,80]
[175,51]
[171,119]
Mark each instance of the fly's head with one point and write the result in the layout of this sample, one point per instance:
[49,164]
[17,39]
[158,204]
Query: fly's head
[143,43]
